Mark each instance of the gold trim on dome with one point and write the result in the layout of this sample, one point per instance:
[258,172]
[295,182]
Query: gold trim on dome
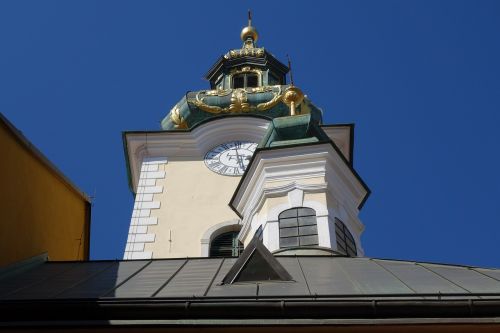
[177,119]
[251,51]
[239,100]
[218,92]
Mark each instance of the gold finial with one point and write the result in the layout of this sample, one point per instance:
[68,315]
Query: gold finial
[290,69]
[249,34]
[293,96]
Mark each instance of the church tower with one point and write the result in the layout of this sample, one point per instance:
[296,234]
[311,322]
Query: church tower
[248,158]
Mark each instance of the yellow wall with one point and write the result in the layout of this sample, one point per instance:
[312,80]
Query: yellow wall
[194,199]
[39,210]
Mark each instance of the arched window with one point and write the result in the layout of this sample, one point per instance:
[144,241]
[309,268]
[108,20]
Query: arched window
[226,245]
[298,227]
[345,241]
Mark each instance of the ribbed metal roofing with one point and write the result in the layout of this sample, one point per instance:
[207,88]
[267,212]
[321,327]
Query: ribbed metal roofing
[314,277]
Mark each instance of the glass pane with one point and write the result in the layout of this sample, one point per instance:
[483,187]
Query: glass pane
[309,240]
[288,213]
[310,220]
[286,223]
[288,242]
[341,245]
[306,212]
[350,243]
[238,81]
[351,252]
[287,232]
[308,230]
[339,231]
[252,80]
[340,235]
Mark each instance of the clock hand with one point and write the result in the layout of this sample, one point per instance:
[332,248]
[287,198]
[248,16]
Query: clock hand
[239,159]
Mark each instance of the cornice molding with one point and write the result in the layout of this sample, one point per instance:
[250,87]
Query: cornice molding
[296,163]
[261,196]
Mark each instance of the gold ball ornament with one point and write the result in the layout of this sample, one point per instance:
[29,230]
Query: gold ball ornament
[249,32]
[293,94]
[293,97]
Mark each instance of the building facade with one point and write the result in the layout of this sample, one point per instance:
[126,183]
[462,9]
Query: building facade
[246,219]
[185,175]
[42,212]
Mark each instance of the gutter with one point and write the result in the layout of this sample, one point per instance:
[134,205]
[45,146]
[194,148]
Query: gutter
[41,311]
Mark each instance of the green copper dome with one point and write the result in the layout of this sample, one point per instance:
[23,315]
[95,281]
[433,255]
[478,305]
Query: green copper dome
[246,81]
[199,106]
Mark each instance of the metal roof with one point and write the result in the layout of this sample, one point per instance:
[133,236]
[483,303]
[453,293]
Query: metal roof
[314,277]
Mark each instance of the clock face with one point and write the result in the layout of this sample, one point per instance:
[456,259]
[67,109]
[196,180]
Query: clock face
[230,158]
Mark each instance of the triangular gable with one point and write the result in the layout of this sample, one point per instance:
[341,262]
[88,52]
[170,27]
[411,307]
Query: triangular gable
[256,263]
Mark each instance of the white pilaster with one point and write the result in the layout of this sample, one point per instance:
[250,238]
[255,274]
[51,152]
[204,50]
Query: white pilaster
[144,203]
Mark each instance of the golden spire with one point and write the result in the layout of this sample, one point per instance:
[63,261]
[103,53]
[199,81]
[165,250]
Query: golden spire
[293,95]
[249,34]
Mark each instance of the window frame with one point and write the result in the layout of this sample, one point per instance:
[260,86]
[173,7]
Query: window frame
[346,243]
[298,223]
[245,75]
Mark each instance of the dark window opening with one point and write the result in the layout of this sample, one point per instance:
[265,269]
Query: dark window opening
[345,241]
[226,245]
[298,227]
[239,81]
[245,80]
[252,80]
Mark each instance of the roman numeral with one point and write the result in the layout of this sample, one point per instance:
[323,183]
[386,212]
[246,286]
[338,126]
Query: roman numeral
[215,164]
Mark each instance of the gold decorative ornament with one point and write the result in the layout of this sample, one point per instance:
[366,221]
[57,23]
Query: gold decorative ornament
[249,36]
[261,89]
[246,69]
[249,32]
[177,119]
[293,97]
[218,92]
[239,100]
[253,52]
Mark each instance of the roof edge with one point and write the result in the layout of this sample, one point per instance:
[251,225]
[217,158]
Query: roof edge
[30,147]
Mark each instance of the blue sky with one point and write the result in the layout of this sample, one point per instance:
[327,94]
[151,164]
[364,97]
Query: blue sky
[420,79]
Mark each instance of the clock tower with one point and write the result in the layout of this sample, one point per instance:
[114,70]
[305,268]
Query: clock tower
[248,157]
